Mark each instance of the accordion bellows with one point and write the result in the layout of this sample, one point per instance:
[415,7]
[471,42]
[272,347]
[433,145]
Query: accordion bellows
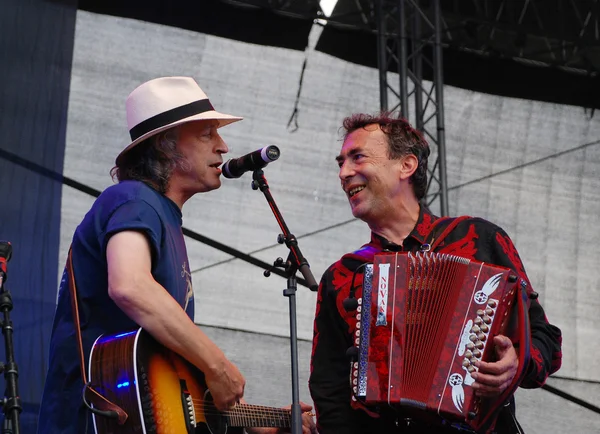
[422,322]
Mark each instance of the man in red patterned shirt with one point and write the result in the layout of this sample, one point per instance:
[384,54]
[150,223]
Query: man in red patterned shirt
[383,171]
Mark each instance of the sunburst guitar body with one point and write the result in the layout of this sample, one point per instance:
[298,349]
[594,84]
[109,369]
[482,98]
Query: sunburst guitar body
[162,393]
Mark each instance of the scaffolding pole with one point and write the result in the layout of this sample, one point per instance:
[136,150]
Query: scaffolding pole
[395,20]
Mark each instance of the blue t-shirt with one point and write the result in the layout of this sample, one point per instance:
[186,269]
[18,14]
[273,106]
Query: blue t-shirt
[129,205]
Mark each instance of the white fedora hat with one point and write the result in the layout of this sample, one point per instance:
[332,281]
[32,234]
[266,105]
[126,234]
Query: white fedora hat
[166,102]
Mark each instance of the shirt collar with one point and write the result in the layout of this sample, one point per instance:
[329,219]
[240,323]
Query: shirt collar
[416,237]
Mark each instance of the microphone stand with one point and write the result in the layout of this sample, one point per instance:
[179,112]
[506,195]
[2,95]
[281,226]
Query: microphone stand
[295,261]
[11,403]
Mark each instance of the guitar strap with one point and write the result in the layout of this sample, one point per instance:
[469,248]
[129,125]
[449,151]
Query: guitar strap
[92,396]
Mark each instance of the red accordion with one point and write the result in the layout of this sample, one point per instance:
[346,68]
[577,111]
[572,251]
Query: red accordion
[423,319]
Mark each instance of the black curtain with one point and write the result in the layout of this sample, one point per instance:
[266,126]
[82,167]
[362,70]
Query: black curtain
[213,17]
[36,50]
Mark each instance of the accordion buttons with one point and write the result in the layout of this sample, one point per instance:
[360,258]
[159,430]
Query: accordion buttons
[475,329]
[479,345]
[358,309]
[478,321]
[357,318]
[466,363]
[492,303]
[485,328]
[480,312]
[477,353]
[489,311]
[472,338]
[468,354]
[355,365]
[487,319]
[360,301]
[471,368]
[470,346]
[481,336]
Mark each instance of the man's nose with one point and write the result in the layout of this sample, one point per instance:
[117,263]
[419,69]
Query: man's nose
[222,147]
[346,170]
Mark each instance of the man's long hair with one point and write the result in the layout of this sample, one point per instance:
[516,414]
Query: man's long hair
[152,161]
[403,140]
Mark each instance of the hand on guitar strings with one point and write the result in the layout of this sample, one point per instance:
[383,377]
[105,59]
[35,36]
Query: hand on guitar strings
[226,385]
[494,377]
[308,423]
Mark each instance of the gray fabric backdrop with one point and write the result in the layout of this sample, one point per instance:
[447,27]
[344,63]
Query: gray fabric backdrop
[533,168]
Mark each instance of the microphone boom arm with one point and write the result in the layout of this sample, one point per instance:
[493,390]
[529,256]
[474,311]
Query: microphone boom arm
[298,262]
[294,263]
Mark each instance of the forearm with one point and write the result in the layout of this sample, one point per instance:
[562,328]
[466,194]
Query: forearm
[135,291]
[545,351]
[152,308]
[546,339]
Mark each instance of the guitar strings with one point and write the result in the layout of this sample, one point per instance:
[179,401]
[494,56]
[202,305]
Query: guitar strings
[246,408]
[279,417]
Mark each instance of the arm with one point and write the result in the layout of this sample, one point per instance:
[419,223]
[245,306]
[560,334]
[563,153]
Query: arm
[546,340]
[545,349]
[330,368]
[134,290]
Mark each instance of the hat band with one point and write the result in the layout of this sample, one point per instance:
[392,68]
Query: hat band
[170,116]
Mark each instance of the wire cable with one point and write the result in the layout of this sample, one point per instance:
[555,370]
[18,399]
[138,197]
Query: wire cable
[34,167]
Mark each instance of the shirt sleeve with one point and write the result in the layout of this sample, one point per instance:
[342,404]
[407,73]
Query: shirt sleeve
[546,340]
[136,215]
[329,380]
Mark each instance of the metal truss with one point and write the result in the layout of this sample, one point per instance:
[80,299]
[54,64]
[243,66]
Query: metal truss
[409,37]
[562,34]
[556,33]
[409,42]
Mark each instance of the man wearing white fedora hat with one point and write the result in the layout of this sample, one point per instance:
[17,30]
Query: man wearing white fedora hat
[128,262]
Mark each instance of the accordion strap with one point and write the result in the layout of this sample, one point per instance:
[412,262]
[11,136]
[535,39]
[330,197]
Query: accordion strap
[440,230]
[91,395]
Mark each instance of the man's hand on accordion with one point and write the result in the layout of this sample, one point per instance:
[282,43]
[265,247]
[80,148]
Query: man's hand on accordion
[494,377]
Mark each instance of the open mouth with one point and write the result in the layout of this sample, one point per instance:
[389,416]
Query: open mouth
[355,190]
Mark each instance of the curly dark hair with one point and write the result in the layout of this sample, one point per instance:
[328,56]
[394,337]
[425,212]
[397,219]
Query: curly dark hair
[151,161]
[403,140]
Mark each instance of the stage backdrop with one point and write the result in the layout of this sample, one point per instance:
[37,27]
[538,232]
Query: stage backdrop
[533,168]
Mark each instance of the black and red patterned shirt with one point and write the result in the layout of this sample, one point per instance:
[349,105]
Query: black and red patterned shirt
[329,384]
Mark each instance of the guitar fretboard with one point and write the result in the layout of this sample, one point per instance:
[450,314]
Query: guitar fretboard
[257,416]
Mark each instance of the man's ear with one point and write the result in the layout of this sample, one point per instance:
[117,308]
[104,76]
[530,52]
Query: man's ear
[409,165]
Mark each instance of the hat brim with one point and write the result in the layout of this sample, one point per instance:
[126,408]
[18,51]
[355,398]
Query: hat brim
[211,115]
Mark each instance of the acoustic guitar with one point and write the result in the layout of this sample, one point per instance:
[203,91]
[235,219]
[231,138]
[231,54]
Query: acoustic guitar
[162,393]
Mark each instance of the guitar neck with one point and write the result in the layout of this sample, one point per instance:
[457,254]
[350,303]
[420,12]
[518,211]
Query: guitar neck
[245,415]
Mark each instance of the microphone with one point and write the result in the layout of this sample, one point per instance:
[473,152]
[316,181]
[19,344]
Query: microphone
[236,167]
